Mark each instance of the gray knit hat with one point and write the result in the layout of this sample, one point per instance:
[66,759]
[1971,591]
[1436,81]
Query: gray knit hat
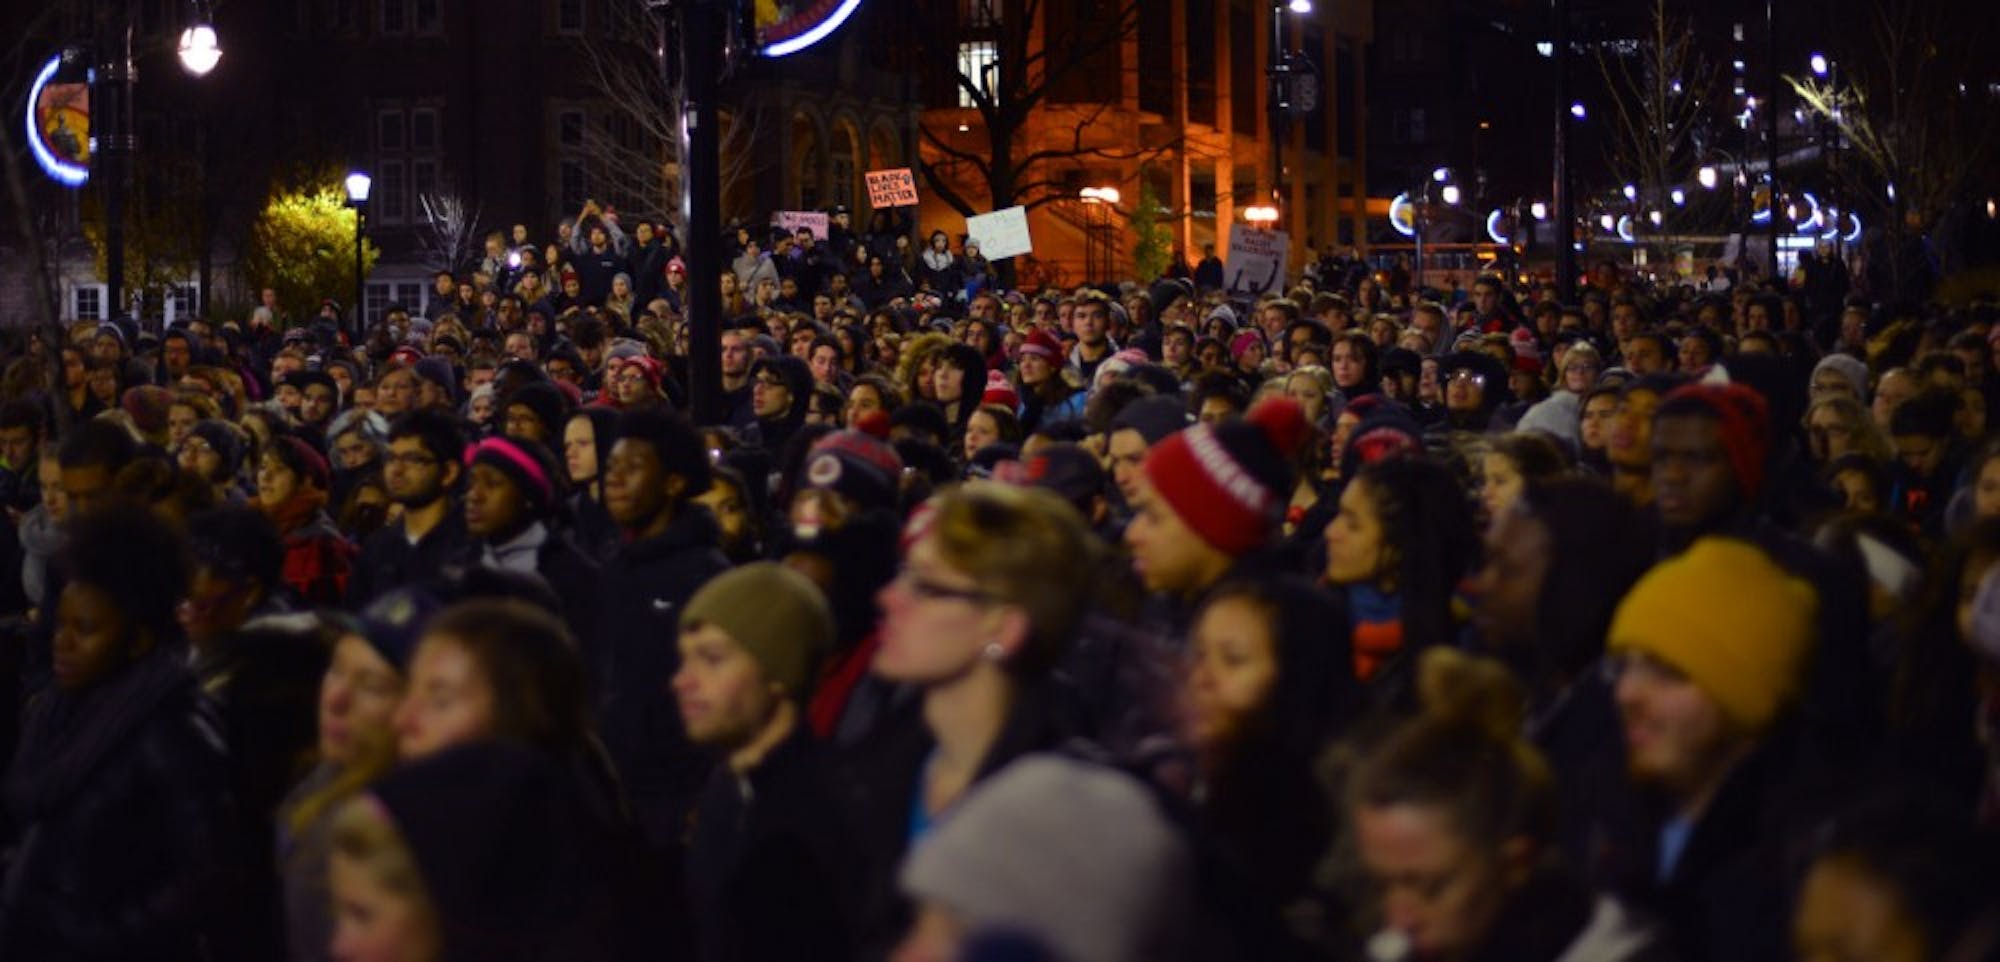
[1074,853]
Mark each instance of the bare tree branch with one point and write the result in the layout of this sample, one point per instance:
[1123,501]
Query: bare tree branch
[448,238]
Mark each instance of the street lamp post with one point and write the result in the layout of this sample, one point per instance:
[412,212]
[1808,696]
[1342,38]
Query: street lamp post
[358,184]
[1280,69]
[1097,253]
[200,52]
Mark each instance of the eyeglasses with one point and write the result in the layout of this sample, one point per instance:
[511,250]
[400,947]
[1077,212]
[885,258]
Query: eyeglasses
[1465,376]
[771,381]
[929,590]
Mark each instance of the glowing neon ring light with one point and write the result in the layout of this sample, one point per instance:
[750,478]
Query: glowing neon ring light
[1493,227]
[1403,215]
[1814,222]
[808,27]
[1625,230]
[65,173]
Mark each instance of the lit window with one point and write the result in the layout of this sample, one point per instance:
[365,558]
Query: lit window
[978,62]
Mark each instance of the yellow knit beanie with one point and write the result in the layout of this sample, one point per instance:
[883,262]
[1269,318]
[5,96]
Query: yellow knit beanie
[1723,614]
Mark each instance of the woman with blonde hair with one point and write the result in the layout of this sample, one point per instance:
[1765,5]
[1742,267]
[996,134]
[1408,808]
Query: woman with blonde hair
[994,583]
[1838,424]
[358,695]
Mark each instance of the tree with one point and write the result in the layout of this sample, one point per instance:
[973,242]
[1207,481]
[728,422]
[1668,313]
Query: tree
[302,245]
[1656,92]
[635,144]
[1152,243]
[449,235]
[1046,54]
[1921,134]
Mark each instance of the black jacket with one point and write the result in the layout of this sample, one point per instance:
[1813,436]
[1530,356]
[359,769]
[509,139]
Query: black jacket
[765,861]
[633,656]
[118,806]
[388,560]
[879,782]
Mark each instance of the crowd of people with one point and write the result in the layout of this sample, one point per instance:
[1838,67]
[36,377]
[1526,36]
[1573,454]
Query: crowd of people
[1356,621]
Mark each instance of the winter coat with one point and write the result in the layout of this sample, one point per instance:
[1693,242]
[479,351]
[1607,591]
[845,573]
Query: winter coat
[633,656]
[118,801]
[388,559]
[765,862]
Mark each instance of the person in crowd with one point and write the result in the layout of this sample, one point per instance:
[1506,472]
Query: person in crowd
[355,709]
[483,851]
[423,473]
[1264,693]
[1454,815]
[513,497]
[1512,463]
[117,797]
[586,446]
[781,387]
[768,842]
[1711,649]
[292,483]
[1397,549]
[670,548]
[1896,879]
[1106,844]
[993,586]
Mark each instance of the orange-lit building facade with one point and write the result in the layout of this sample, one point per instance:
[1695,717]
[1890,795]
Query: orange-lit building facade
[1187,89]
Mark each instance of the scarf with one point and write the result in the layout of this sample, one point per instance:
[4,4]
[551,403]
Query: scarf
[297,511]
[1378,629]
[65,736]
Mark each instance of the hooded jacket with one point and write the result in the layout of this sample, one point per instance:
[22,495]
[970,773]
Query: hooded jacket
[633,656]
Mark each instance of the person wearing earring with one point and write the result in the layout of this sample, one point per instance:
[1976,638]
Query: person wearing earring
[994,582]
[765,848]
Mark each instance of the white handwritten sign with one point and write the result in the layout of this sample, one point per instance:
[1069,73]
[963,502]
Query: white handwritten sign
[812,220]
[1001,234]
[892,188]
[1256,260]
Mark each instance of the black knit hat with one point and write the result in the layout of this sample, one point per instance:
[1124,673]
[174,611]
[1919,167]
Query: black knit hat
[226,439]
[547,401]
[505,847]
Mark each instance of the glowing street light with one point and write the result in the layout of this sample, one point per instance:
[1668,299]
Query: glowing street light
[1262,215]
[1538,210]
[1819,64]
[1301,7]
[1607,222]
[1576,110]
[200,51]
[1099,195]
[1679,197]
[1451,194]
[1631,192]
[1706,176]
[1441,174]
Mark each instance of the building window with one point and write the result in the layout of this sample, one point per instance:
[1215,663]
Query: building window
[389,132]
[574,188]
[378,295]
[842,172]
[1417,126]
[1245,72]
[979,14]
[1201,58]
[423,178]
[86,302]
[389,201]
[395,17]
[179,302]
[979,62]
[569,16]
[423,130]
[428,16]
[569,128]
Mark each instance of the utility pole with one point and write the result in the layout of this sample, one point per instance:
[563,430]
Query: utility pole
[116,142]
[1565,212]
[703,34]
[1771,131]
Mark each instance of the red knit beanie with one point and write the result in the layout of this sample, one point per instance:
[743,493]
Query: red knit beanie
[1041,343]
[998,391]
[1230,482]
[1744,421]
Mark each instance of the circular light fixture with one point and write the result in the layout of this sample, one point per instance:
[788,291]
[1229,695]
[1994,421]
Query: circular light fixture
[358,184]
[1625,230]
[1706,176]
[1679,197]
[1819,64]
[1403,215]
[1451,194]
[1538,210]
[1493,224]
[200,51]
